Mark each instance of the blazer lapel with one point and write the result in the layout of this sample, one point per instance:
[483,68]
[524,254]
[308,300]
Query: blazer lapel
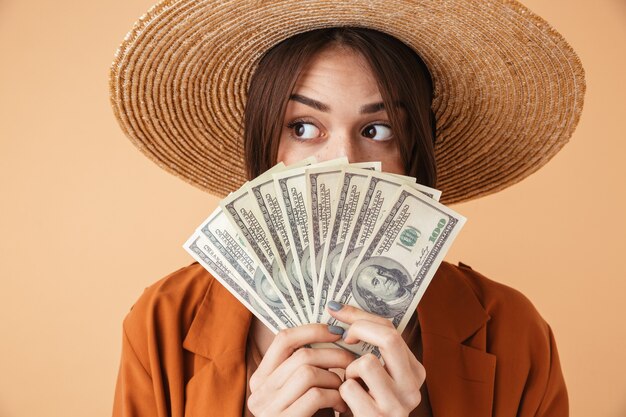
[459,372]
[218,332]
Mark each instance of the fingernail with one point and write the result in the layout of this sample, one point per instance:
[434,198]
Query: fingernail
[335,329]
[334,305]
[344,334]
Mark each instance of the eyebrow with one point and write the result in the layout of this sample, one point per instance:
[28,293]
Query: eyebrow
[318,105]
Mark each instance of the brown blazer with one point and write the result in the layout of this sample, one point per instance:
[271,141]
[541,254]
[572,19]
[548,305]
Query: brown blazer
[486,350]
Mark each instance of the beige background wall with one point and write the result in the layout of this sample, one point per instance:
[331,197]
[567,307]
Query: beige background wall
[87,222]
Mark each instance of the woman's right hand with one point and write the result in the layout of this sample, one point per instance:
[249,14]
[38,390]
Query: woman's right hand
[296,381]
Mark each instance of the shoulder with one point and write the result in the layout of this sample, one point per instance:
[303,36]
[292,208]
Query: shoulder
[166,308]
[501,302]
[177,292]
[515,330]
[513,327]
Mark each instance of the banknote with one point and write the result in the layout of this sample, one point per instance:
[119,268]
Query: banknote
[322,186]
[374,193]
[292,199]
[239,207]
[349,182]
[236,285]
[400,258]
[269,213]
[411,181]
[227,242]
[297,236]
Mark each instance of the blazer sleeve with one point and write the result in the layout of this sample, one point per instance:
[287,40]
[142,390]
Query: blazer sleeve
[544,393]
[554,401]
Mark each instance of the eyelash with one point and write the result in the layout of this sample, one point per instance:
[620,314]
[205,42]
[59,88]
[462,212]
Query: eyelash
[293,123]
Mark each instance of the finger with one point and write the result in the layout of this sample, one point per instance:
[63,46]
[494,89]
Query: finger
[300,382]
[315,399]
[285,343]
[359,402]
[319,357]
[349,314]
[397,356]
[389,398]
[271,400]
[371,371]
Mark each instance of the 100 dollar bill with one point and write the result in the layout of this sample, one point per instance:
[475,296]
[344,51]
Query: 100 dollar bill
[293,201]
[376,192]
[400,258]
[323,186]
[239,207]
[236,285]
[225,240]
[348,199]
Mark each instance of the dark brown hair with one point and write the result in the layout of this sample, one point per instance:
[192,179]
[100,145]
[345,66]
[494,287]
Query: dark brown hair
[402,77]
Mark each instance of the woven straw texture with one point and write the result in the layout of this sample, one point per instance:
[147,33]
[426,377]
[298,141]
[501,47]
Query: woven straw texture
[508,88]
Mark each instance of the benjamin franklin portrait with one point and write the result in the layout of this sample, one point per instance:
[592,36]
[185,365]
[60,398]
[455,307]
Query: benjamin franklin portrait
[382,286]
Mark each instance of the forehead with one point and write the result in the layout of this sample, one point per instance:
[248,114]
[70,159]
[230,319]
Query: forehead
[337,69]
[368,273]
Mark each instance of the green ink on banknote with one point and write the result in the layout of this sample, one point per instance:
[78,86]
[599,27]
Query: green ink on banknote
[437,231]
[409,237]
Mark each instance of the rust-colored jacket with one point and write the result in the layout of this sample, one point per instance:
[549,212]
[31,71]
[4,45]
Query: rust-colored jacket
[486,350]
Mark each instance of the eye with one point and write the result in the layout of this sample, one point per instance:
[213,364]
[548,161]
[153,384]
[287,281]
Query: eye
[303,130]
[379,132]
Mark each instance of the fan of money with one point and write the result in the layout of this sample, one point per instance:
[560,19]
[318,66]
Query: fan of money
[298,236]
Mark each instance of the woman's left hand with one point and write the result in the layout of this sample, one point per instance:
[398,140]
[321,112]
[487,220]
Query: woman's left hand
[392,389]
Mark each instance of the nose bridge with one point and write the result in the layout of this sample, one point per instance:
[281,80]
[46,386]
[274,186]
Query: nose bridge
[342,143]
[345,141]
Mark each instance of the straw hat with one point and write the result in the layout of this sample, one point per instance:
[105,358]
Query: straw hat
[508,89]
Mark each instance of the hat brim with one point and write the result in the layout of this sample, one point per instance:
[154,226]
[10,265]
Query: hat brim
[508,88]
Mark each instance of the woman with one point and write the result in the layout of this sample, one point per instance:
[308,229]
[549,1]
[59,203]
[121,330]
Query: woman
[474,347]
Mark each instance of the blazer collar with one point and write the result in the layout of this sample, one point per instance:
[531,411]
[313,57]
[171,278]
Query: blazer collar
[449,307]
[220,326]
[460,374]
